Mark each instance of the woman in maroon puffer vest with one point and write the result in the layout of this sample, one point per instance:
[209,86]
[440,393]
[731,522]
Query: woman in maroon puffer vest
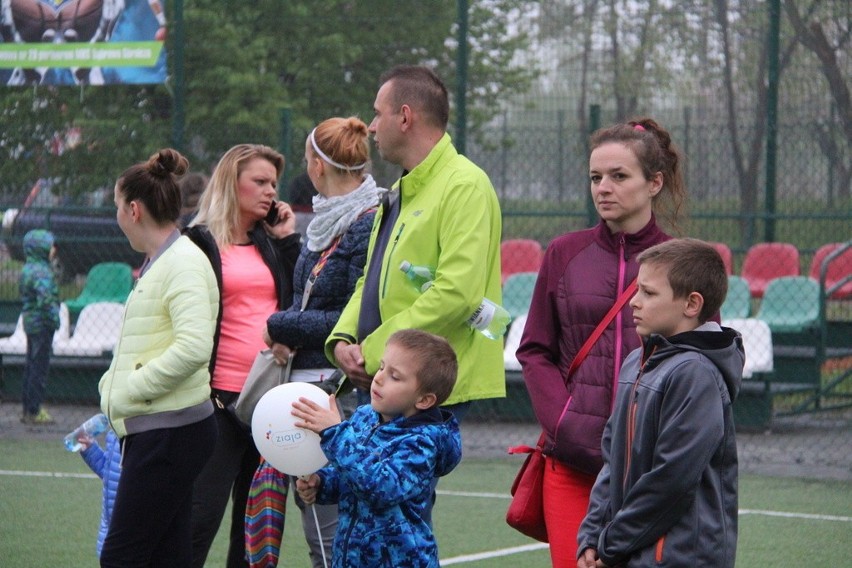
[634,171]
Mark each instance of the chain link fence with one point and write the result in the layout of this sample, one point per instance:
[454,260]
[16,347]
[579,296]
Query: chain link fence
[703,74]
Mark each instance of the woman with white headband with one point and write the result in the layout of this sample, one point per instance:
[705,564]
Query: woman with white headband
[332,260]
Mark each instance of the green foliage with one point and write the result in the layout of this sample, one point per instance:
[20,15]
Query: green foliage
[80,139]
[244,61]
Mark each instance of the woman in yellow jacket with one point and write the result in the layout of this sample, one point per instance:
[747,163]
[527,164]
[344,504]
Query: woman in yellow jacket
[156,392]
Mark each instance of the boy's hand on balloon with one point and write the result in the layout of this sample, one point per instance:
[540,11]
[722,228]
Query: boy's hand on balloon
[307,487]
[314,417]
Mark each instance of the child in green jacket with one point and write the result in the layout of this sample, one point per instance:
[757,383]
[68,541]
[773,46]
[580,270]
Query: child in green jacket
[40,311]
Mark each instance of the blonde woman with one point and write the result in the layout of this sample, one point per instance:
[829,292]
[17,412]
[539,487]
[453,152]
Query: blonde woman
[253,261]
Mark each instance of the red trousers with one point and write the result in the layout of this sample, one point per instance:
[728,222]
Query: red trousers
[566,498]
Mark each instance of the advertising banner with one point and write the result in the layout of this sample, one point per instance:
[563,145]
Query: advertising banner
[82,42]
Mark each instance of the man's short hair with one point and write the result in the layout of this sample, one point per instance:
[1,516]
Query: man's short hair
[191,186]
[693,266]
[420,88]
[437,365]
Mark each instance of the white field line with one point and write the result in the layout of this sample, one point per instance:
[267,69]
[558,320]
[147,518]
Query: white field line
[539,546]
[795,515]
[46,474]
[463,559]
[763,512]
[472,494]
[505,496]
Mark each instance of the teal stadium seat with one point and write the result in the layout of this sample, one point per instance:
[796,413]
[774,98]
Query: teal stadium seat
[517,293]
[790,304]
[106,282]
[738,301]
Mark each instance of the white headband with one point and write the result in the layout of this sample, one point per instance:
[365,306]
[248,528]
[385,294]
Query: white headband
[329,160]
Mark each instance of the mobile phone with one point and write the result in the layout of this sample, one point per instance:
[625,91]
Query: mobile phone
[272,215]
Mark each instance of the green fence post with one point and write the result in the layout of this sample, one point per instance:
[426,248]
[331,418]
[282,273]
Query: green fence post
[594,124]
[284,146]
[176,35]
[504,153]
[461,80]
[772,116]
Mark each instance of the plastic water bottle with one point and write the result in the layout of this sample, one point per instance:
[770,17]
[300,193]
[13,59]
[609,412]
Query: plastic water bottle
[420,276]
[489,318]
[87,431]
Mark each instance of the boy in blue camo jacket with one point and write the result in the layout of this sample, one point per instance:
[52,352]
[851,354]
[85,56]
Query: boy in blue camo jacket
[40,310]
[382,460]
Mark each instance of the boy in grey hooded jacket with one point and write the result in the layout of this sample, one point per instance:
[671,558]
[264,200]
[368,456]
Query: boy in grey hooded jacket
[667,493]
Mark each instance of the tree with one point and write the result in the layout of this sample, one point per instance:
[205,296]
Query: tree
[829,48]
[323,59]
[79,139]
[244,61]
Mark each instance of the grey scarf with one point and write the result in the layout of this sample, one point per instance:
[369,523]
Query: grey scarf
[333,215]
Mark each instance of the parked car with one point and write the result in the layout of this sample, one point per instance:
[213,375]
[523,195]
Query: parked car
[86,230]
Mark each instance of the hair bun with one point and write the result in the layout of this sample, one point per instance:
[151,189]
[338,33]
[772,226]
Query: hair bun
[357,126]
[166,162]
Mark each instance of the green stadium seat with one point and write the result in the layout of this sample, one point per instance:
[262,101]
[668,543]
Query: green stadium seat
[517,293]
[738,301]
[790,304]
[106,282]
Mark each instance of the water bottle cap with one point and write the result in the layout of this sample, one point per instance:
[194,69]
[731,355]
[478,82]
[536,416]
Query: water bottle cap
[404,266]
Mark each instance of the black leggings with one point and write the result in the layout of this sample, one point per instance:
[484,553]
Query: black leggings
[228,474]
[151,520]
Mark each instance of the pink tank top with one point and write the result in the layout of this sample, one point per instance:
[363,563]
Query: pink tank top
[248,298]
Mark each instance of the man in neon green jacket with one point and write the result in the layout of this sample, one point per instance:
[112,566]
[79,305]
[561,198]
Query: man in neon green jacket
[443,214]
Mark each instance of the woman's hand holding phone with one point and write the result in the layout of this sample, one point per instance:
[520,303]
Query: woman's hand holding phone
[280,220]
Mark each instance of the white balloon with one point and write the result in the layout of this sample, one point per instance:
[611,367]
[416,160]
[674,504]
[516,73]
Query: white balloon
[291,450]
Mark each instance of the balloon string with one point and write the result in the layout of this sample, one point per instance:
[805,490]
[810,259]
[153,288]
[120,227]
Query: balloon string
[316,522]
[319,533]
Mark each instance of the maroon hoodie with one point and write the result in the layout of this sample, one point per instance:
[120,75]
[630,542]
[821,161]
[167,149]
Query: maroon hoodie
[582,275]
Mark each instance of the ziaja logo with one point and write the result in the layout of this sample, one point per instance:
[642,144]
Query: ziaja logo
[286,437]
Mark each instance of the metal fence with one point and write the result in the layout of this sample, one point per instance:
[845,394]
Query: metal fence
[764,126]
